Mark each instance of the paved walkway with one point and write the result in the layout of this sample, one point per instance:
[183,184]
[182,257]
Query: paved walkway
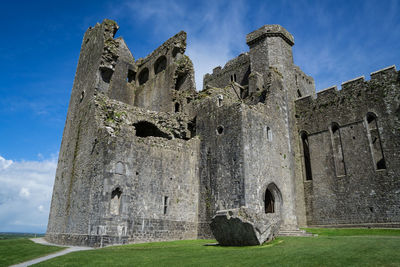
[68,249]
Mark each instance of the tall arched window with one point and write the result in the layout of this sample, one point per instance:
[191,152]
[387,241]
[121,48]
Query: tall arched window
[375,142]
[337,149]
[306,156]
[160,64]
[143,76]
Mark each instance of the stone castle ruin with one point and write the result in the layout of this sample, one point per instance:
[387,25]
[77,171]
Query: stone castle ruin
[146,157]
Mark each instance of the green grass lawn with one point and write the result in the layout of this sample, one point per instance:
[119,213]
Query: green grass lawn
[333,247]
[353,231]
[13,251]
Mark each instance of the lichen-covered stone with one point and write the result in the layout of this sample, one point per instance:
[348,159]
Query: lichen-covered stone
[244,227]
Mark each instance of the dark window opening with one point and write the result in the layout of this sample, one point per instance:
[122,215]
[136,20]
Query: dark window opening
[180,81]
[231,78]
[82,96]
[298,93]
[245,80]
[106,74]
[177,107]
[375,142]
[115,201]
[269,202]
[175,51]
[192,127]
[380,165]
[220,129]
[116,193]
[131,76]
[165,204]
[219,100]
[306,155]
[371,209]
[337,150]
[160,64]
[146,129]
[269,134]
[143,76]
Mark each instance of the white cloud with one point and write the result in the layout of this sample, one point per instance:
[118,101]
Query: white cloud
[4,164]
[25,194]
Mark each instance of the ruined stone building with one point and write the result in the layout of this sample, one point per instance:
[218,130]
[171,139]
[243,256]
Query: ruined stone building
[146,157]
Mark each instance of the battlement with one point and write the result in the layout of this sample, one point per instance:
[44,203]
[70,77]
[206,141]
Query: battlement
[353,86]
[273,30]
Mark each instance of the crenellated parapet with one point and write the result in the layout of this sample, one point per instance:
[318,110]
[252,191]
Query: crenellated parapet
[354,86]
[352,102]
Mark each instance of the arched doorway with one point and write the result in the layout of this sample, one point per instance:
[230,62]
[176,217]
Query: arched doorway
[272,199]
[269,202]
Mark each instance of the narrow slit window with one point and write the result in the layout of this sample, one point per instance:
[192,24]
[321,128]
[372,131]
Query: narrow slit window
[306,157]
[269,134]
[337,149]
[177,107]
[165,205]
[375,142]
[298,93]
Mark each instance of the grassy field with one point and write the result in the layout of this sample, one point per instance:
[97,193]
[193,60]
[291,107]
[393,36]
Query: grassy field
[353,232]
[18,235]
[13,251]
[333,247]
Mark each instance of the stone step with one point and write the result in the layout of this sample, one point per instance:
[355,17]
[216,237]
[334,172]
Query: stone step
[294,233]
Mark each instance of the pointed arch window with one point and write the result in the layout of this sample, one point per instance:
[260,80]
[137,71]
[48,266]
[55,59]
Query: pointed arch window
[306,156]
[375,141]
[337,150]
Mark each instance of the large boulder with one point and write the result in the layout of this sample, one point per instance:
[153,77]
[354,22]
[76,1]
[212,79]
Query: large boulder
[244,227]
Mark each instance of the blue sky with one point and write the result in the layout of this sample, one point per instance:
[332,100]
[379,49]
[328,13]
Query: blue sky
[334,41]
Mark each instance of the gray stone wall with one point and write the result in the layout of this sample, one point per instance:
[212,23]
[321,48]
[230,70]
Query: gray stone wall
[235,70]
[362,193]
[71,183]
[221,163]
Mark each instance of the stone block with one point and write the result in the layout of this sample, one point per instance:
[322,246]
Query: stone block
[244,227]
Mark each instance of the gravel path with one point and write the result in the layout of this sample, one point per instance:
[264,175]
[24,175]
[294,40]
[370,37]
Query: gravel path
[68,249]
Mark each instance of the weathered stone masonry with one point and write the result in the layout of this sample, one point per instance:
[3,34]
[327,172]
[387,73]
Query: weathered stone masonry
[145,157]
